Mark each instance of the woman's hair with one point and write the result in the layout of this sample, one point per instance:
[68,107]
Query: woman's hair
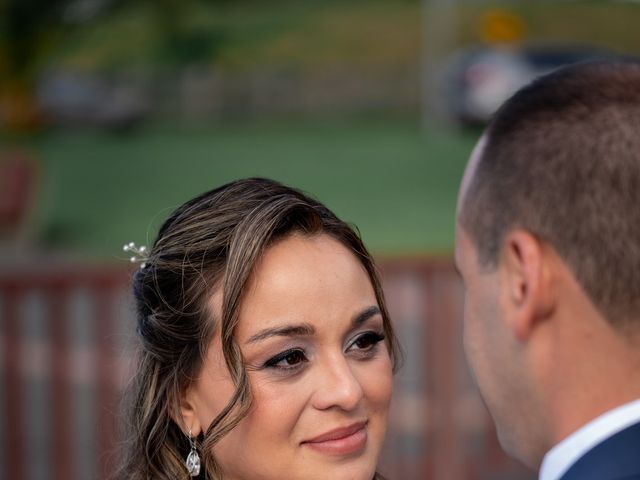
[211,242]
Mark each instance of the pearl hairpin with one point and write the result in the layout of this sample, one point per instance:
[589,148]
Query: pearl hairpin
[140,253]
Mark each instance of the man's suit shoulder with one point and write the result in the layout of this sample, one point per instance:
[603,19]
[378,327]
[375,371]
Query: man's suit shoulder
[617,458]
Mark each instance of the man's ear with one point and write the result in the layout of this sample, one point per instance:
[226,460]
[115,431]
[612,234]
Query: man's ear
[185,412]
[528,288]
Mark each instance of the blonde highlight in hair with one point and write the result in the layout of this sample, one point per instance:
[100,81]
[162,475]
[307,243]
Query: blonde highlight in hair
[211,242]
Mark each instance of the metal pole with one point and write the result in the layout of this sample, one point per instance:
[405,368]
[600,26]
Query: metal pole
[440,27]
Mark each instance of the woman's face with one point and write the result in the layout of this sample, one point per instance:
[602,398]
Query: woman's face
[312,338]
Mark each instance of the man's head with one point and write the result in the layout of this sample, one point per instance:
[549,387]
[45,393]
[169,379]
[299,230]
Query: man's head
[552,189]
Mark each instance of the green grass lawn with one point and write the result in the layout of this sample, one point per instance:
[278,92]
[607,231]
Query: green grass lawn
[396,183]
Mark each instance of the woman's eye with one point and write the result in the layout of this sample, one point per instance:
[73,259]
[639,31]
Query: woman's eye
[367,341]
[294,358]
[287,360]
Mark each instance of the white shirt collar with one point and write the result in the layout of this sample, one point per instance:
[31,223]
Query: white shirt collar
[561,457]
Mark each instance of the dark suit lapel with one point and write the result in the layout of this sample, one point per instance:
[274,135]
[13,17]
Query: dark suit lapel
[617,458]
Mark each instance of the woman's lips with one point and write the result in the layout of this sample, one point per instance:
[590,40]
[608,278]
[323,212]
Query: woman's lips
[340,441]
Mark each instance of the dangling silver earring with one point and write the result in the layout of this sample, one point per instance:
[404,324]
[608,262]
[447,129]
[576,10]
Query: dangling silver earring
[193,459]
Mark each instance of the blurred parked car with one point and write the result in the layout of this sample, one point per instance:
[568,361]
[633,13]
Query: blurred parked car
[84,99]
[477,81]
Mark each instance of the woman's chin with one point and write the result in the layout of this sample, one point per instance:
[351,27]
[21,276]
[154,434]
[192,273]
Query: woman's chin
[359,465]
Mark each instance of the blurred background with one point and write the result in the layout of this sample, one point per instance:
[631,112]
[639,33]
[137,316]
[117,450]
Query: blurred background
[113,113]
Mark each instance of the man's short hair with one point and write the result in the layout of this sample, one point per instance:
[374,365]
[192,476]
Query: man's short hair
[562,160]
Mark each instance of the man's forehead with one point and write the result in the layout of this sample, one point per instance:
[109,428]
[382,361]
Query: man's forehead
[472,166]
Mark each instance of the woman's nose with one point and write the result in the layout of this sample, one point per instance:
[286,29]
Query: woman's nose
[336,386]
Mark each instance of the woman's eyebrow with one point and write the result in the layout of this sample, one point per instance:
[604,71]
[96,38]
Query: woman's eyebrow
[365,315]
[306,329]
[284,331]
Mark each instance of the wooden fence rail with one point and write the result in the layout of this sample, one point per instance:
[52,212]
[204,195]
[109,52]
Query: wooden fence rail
[66,337]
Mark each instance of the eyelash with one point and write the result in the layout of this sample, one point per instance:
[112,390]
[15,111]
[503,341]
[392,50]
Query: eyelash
[274,362]
[374,338]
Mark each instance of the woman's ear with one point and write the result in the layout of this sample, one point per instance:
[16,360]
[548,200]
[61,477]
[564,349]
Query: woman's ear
[185,413]
[527,281]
